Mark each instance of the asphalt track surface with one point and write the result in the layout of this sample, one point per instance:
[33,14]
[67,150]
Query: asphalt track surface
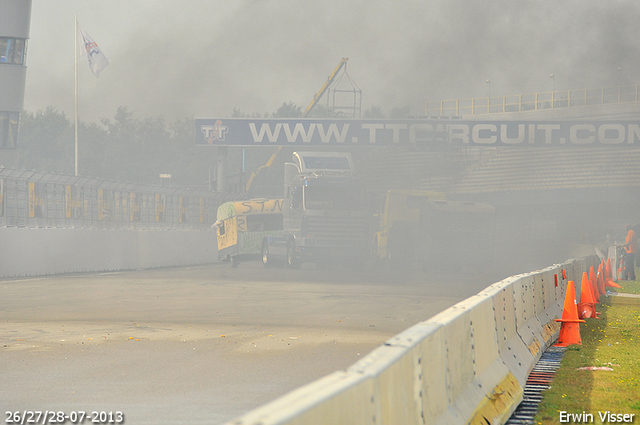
[200,344]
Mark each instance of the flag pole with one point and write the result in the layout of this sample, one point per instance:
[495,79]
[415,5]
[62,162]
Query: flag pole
[76,94]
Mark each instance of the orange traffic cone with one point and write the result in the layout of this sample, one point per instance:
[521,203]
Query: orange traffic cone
[594,289]
[619,275]
[611,284]
[607,270]
[570,328]
[600,279]
[586,306]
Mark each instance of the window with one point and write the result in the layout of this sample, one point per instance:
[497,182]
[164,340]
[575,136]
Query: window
[12,50]
[296,198]
[9,129]
[326,163]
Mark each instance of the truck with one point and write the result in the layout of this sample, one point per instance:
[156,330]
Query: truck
[455,235]
[325,218]
[424,228]
[394,238]
[241,225]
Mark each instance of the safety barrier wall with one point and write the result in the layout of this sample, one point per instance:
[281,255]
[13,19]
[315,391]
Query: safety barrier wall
[53,223]
[468,364]
[31,252]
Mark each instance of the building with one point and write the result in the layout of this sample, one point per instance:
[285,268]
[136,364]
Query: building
[15,17]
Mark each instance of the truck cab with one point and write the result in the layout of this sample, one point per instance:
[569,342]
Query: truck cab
[324,212]
[425,229]
[399,217]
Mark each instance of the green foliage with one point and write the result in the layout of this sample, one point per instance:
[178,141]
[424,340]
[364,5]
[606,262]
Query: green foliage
[46,141]
[399,113]
[631,286]
[122,149]
[288,110]
[612,341]
[237,113]
[320,111]
[374,112]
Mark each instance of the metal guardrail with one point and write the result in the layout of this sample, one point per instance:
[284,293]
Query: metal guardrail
[36,199]
[533,101]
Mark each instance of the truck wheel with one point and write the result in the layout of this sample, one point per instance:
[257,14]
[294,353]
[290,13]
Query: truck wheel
[235,261]
[292,261]
[266,260]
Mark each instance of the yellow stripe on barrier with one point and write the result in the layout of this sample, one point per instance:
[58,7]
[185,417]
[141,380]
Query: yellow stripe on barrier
[498,405]
[534,347]
[551,330]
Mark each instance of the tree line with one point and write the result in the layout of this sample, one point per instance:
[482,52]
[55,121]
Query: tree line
[123,148]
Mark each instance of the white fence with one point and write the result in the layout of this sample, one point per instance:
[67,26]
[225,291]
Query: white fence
[468,364]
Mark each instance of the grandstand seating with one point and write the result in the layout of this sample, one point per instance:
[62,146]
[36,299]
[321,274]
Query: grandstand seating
[502,169]
[538,168]
[495,169]
[394,168]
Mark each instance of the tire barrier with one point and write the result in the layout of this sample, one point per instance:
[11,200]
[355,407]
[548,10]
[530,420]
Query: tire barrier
[466,365]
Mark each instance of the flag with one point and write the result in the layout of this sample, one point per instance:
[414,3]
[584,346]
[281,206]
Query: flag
[97,60]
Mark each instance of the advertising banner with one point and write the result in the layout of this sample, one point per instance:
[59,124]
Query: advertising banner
[333,132]
[161,205]
[73,201]
[36,200]
[183,209]
[104,204]
[134,206]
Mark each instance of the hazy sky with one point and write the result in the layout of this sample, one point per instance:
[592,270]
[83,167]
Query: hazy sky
[202,58]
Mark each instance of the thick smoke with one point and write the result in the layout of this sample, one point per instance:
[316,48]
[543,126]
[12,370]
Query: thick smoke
[203,58]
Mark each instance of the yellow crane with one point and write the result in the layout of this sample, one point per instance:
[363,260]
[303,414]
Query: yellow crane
[325,87]
[314,102]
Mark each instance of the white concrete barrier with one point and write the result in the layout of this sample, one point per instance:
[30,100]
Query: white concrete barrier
[31,252]
[466,365]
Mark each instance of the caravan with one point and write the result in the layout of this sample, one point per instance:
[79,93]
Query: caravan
[242,225]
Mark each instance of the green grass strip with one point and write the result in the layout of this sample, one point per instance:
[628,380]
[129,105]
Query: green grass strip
[610,341]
